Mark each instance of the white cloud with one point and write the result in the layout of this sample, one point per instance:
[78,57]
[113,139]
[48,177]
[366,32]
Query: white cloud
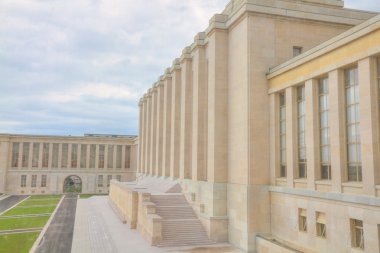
[92,90]
[76,66]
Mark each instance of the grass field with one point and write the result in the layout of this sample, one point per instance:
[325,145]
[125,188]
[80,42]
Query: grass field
[45,197]
[22,242]
[86,196]
[35,202]
[17,243]
[29,210]
[27,222]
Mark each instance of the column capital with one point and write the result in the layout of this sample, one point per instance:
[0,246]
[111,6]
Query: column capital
[199,41]
[217,22]
[186,55]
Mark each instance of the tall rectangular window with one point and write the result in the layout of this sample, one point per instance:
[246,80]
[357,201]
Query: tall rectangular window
[321,224]
[25,154]
[302,220]
[297,51]
[118,156]
[127,157]
[357,235]
[34,181]
[282,135]
[74,155]
[92,155]
[101,156]
[354,164]
[100,180]
[65,154]
[83,156]
[23,181]
[110,156]
[43,181]
[36,154]
[302,171]
[109,178]
[54,158]
[324,128]
[15,154]
[45,155]
[118,178]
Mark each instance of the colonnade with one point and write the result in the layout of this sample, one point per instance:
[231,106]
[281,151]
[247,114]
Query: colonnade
[183,117]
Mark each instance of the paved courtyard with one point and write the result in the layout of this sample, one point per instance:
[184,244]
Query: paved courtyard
[98,230]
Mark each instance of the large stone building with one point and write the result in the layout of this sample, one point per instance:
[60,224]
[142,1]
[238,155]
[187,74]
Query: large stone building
[269,121]
[33,164]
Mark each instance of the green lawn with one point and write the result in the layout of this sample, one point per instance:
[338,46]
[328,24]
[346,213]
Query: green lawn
[45,197]
[17,243]
[35,202]
[29,210]
[86,196]
[18,223]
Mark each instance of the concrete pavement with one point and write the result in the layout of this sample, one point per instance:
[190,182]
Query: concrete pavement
[97,229]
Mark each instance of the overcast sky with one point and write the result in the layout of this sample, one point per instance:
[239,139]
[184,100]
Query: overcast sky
[80,66]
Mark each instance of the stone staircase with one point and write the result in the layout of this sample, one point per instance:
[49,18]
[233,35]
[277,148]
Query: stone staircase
[180,225]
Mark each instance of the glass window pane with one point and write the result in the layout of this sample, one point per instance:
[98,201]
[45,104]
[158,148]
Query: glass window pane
[350,114]
[325,156]
[352,153]
[351,133]
[350,96]
[352,175]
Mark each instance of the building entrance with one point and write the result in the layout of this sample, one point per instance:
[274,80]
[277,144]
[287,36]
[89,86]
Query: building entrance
[72,184]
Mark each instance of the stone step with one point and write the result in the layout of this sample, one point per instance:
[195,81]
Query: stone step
[180,225]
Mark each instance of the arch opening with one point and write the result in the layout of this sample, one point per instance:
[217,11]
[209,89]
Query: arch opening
[72,184]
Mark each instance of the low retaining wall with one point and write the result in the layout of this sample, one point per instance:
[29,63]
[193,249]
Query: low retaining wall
[133,206]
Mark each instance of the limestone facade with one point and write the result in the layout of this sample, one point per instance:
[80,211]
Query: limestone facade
[213,120]
[31,164]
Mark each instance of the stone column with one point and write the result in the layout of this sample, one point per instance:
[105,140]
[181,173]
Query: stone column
[4,154]
[175,119]
[160,127]
[167,124]
[291,135]
[139,159]
[274,137]
[337,129]
[145,113]
[153,132]
[369,124]
[50,155]
[186,115]
[312,131]
[149,131]
[217,102]
[199,152]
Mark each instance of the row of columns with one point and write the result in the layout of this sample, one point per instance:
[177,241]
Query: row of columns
[183,118]
[369,130]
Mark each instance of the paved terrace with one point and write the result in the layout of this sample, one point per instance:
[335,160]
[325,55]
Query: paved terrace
[98,230]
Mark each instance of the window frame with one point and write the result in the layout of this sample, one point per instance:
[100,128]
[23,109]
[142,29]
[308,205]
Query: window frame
[324,112]
[353,107]
[282,135]
[302,220]
[357,228]
[301,119]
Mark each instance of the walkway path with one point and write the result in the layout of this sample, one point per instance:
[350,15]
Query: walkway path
[98,230]
[59,235]
[10,201]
